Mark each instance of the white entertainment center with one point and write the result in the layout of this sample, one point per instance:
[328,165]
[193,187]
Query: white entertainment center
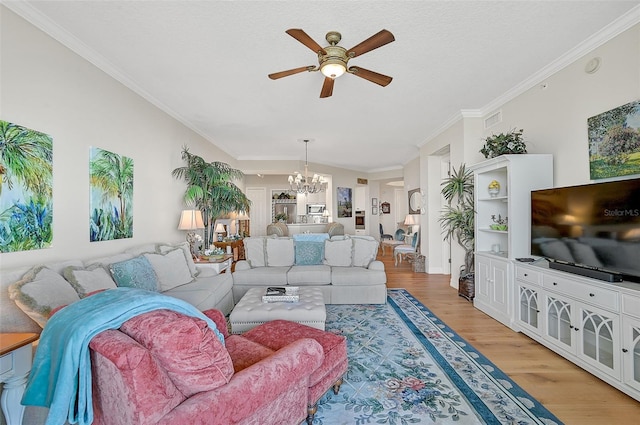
[592,323]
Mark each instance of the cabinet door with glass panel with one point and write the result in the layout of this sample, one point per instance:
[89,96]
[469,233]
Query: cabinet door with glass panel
[599,339]
[586,331]
[631,351]
[528,308]
[559,322]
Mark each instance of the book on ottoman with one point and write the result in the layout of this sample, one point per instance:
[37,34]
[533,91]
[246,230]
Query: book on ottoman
[281,294]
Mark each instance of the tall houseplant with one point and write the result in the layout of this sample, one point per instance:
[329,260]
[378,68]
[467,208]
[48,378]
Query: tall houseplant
[210,188]
[457,218]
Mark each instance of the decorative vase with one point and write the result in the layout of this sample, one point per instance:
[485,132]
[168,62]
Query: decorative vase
[494,188]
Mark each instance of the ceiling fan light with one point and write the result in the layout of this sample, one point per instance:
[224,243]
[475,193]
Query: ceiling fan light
[333,68]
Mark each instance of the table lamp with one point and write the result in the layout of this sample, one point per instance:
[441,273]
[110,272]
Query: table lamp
[410,220]
[192,220]
[219,231]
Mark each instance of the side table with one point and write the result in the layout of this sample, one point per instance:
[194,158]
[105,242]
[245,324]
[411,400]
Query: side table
[219,265]
[16,355]
[237,248]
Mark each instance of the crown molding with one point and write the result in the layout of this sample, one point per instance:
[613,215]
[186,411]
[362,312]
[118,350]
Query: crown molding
[601,37]
[606,34]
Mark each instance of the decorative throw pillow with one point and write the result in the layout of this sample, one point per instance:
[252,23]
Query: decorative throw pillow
[40,291]
[189,351]
[135,273]
[337,253]
[280,252]
[186,249]
[254,251]
[309,253]
[90,279]
[170,268]
[364,251]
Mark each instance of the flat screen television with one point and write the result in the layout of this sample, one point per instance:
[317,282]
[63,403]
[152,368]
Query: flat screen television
[592,229]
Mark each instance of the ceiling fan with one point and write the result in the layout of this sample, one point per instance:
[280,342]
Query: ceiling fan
[333,59]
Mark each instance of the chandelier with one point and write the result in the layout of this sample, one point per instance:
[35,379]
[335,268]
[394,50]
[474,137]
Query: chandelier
[302,184]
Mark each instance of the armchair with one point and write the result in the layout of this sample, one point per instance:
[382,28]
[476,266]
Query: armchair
[141,376]
[278,229]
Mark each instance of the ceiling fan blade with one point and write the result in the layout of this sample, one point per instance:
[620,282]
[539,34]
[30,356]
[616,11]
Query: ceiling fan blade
[327,87]
[281,74]
[304,38]
[371,43]
[374,77]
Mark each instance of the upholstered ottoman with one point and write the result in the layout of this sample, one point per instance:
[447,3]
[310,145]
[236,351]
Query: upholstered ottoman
[251,311]
[279,333]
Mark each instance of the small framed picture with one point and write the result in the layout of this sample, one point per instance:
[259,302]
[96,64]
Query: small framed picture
[374,210]
[374,202]
[386,208]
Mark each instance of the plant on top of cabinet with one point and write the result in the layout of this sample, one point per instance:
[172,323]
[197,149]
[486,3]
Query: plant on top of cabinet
[511,142]
[211,189]
[457,219]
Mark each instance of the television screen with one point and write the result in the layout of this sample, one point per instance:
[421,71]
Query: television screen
[596,226]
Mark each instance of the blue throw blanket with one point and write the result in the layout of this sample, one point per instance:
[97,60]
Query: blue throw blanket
[61,374]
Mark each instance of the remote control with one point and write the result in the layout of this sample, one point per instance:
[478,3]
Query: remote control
[526,260]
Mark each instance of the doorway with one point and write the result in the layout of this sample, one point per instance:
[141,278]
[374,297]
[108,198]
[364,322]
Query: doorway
[258,212]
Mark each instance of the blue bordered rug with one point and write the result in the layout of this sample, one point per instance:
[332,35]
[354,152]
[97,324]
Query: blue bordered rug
[406,367]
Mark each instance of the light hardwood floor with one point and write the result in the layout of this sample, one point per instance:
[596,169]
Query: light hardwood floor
[573,395]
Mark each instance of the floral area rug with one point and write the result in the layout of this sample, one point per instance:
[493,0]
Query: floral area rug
[406,367]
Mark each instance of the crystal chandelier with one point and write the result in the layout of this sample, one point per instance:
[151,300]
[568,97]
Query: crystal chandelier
[302,184]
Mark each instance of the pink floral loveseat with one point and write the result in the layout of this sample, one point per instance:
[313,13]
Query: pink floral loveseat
[163,367]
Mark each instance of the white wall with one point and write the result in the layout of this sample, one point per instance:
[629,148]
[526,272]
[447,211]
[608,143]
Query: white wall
[46,87]
[554,117]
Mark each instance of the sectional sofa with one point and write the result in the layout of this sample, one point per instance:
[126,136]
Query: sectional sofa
[343,267]
[29,295]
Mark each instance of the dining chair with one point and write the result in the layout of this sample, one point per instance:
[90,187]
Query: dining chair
[407,251]
[384,235]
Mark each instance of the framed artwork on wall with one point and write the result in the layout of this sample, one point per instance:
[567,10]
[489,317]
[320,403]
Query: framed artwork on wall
[374,202]
[385,207]
[614,142]
[26,188]
[344,202]
[111,196]
[374,210]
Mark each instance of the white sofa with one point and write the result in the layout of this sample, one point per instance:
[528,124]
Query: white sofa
[343,267]
[27,295]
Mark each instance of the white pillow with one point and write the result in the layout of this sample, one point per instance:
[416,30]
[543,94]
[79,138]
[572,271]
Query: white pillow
[337,253]
[280,252]
[364,251]
[171,268]
[254,251]
[40,291]
[88,280]
[186,249]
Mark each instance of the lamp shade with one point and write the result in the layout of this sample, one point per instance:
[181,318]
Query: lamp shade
[191,220]
[220,228]
[410,220]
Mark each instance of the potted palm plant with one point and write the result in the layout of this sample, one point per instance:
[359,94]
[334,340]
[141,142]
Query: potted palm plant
[457,220]
[211,189]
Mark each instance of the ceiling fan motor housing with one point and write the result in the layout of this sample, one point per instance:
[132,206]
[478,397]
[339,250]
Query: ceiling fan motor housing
[336,56]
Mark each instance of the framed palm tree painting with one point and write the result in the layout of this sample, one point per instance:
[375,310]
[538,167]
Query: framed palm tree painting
[26,175]
[111,184]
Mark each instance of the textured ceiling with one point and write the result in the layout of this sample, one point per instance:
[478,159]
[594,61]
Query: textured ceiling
[206,63]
